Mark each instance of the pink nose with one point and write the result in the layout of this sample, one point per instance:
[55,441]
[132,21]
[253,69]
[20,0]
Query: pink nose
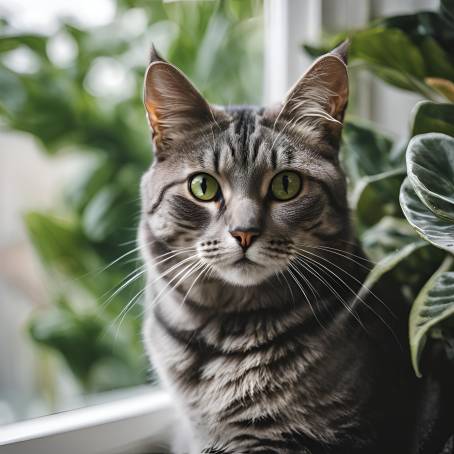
[245,238]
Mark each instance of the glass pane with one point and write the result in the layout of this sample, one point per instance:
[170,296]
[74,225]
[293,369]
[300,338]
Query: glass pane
[74,143]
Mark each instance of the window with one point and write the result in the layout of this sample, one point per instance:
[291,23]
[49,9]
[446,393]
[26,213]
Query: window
[72,156]
[73,373]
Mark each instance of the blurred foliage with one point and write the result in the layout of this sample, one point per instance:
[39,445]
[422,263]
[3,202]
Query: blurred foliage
[413,51]
[87,99]
[403,195]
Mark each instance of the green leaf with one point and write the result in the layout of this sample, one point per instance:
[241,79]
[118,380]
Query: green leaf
[434,304]
[437,61]
[64,250]
[100,215]
[432,34]
[86,341]
[59,243]
[389,48]
[315,51]
[430,166]
[365,151]
[75,336]
[385,241]
[417,26]
[433,117]
[391,55]
[433,229]
[387,264]
[90,182]
[447,11]
[377,196]
[386,237]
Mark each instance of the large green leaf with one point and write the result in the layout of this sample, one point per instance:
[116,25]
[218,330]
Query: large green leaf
[435,230]
[434,304]
[430,166]
[391,54]
[368,159]
[386,237]
[432,35]
[405,50]
[433,117]
[420,25]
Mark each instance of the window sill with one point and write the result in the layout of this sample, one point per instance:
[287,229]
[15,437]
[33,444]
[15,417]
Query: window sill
[138,424]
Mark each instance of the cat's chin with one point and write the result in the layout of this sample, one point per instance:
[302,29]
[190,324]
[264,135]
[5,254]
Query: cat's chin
[245,274]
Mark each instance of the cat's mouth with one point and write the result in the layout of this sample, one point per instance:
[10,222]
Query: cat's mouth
[245,271]
[245,261]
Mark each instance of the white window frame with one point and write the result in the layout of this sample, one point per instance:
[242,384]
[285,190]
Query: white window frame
[291,23]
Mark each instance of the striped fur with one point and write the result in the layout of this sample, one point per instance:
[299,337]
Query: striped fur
[268,355]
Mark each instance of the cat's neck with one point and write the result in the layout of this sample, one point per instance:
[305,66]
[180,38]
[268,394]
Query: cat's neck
[270,307]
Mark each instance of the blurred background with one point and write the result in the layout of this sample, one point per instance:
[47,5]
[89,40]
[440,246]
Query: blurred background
[74,143]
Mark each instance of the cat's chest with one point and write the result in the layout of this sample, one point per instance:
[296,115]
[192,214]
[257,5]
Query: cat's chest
[241,371]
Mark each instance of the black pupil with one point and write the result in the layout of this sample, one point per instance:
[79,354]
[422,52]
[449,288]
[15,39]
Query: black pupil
[285,182]
[204,185]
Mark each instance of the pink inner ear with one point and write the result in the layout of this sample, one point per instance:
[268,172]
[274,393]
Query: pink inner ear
[338,103]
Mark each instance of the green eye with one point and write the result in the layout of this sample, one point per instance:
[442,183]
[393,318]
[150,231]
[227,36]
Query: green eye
[285,185]
[203,187]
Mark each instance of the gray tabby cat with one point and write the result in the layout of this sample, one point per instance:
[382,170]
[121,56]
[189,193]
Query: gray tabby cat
[253,267]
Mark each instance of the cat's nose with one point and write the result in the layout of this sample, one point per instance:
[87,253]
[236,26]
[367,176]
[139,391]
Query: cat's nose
[245,236]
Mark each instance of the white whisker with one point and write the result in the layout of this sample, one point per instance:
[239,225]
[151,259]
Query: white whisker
[304,293]
[320,265]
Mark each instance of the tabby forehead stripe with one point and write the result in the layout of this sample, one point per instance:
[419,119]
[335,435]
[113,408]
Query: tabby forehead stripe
[216,157]
[274,158]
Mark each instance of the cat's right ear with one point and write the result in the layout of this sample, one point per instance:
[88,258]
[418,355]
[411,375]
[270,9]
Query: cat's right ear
[174,106]
[319,98]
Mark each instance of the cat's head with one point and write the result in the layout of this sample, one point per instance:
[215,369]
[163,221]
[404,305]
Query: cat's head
[243,189]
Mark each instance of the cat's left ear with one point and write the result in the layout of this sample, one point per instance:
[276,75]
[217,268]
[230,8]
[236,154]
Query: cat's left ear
[319,98]
[174,106]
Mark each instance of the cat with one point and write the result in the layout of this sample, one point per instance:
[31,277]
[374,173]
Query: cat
[253,322]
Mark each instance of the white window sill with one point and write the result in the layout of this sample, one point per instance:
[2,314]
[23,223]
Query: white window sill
[138,424]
